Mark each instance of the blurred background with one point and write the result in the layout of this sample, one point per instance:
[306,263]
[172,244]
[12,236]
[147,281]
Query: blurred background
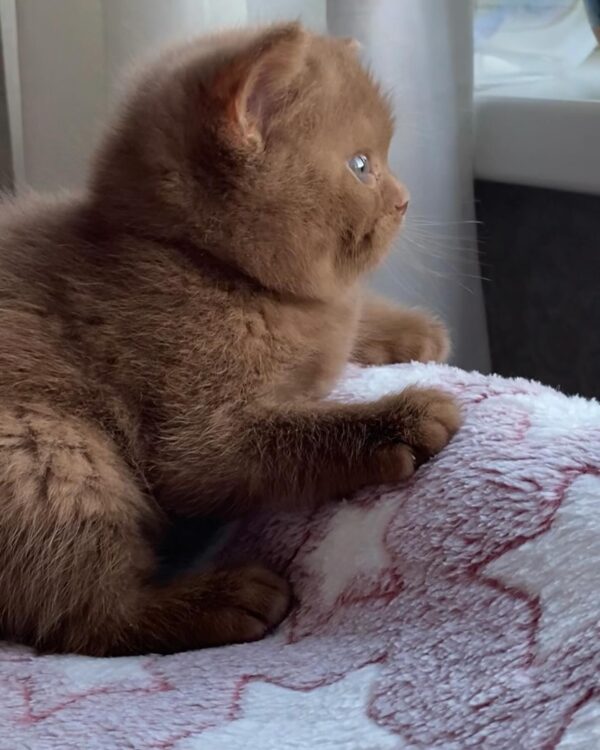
[498,123]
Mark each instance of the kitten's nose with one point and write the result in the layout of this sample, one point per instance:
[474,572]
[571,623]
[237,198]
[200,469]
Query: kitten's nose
[401,197]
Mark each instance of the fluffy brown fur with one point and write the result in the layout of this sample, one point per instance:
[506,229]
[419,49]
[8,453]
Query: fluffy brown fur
[167,336]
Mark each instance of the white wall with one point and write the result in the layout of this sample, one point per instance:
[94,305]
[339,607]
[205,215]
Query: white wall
[60,64]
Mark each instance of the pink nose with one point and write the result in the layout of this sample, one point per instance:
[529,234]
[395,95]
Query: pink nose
[400,197]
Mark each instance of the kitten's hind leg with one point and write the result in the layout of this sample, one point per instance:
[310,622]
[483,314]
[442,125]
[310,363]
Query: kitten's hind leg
[76,562]
[212,608]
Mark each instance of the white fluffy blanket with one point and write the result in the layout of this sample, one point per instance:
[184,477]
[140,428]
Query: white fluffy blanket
[461,610]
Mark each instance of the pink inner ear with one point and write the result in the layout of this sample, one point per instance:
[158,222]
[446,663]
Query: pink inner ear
[228,88]
[261,94]
[250,85]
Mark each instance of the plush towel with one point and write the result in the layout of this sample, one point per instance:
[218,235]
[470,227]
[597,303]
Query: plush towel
[459,610]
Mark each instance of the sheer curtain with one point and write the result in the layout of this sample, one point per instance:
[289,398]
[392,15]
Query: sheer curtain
[63,60]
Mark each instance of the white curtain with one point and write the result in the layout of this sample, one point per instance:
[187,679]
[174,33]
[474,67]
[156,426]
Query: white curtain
[63,60]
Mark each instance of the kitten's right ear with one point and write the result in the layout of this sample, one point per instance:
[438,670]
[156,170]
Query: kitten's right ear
[250,86]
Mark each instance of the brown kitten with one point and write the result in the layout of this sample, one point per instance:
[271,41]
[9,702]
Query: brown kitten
[167,336]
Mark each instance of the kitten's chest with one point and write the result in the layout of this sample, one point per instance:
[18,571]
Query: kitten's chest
[322,344]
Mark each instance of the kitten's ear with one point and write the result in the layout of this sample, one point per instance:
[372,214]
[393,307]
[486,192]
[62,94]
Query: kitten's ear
[250,86]
[352,44]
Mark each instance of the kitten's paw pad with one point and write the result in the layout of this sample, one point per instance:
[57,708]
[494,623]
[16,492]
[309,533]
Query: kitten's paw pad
[259,601]
[434,418]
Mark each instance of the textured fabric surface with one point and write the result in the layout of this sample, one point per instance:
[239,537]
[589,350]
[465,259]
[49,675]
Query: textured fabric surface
[461,610]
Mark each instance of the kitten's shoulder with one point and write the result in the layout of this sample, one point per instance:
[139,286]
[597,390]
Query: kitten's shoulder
[33,225]
[32,210]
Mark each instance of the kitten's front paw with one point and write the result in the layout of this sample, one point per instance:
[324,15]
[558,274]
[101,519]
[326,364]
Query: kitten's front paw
[421,421]
[403,336]
[435,419]
[421,338]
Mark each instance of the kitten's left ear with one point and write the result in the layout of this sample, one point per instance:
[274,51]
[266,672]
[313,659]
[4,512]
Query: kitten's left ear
[352,44]
[251,85]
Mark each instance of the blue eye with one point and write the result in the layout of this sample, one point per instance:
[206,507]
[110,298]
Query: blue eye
[359,164]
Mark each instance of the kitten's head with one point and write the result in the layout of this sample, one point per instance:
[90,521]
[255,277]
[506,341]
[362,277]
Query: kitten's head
[266,149]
